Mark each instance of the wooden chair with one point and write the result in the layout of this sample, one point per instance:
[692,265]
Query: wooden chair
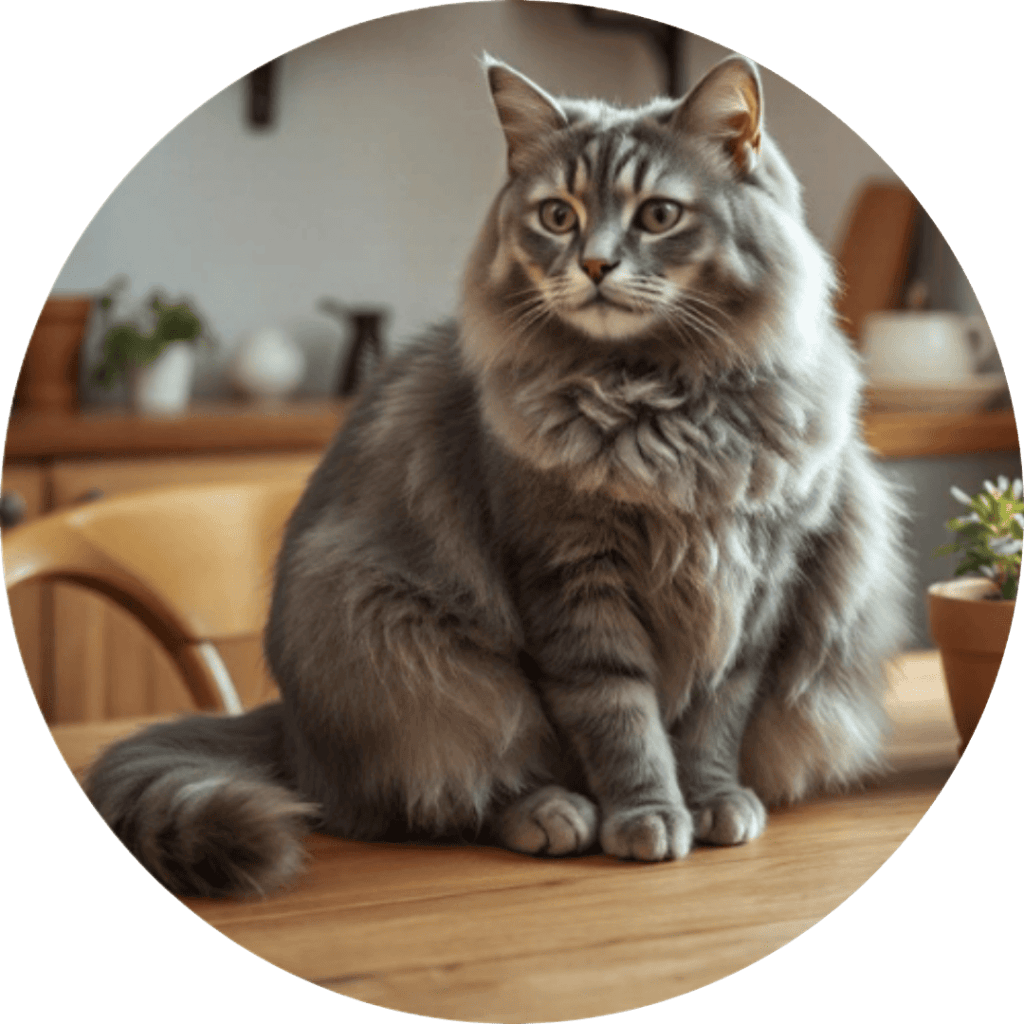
[192,563]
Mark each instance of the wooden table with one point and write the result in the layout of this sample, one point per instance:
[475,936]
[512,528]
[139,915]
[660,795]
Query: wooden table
[486,935]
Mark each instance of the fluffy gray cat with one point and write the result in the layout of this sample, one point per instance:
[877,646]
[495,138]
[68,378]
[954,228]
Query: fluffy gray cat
[603,565]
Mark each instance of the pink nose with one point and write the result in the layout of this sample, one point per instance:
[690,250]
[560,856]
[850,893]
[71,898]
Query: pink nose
[596,269]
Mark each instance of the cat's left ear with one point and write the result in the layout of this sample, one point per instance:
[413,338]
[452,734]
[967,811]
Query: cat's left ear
[526,111]
[726,107]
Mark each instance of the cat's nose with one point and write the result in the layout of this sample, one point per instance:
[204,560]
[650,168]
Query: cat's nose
[596,269]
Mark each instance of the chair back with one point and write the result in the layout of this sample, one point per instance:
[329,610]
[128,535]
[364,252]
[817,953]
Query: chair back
[192,563]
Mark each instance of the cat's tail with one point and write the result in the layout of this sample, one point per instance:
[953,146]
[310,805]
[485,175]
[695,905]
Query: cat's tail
[201,802]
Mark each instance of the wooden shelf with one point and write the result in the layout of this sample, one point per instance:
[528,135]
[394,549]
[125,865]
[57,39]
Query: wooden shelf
[205,428]
[917,435]
[293,426]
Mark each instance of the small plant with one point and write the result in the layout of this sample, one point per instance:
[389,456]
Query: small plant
[129,345]
[990,536]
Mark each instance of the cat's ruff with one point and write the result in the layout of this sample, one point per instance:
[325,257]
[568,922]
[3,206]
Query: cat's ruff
[604,565]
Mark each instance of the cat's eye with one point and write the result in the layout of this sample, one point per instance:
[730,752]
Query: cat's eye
[658,215]
[557,216]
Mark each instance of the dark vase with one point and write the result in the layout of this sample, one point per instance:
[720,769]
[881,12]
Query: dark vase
[365,349]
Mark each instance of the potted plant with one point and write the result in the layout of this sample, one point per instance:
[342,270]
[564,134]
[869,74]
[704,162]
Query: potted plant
[970,616]
[157,355]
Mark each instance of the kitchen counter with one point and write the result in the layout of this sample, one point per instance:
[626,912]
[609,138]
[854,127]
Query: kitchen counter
[222,427]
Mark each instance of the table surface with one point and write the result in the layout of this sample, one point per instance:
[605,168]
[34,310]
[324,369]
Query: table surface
[472,933]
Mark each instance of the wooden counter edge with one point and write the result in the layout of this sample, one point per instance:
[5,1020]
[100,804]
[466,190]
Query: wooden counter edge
[899,435]
[309,425]
[206,428]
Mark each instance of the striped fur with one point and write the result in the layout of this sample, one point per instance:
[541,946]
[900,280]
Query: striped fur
[603,564]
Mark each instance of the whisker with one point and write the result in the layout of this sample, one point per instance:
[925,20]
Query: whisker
[696,327]
[708,308]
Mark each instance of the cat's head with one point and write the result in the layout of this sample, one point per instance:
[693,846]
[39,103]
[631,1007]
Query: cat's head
[674,225]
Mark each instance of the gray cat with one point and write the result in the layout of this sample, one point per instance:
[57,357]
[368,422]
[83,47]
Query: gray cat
[603,565]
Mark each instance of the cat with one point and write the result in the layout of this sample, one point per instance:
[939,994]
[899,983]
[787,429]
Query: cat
[603,565]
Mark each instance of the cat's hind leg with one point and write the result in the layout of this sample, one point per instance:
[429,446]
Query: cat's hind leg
[403,712]
[823,737]
[820,721]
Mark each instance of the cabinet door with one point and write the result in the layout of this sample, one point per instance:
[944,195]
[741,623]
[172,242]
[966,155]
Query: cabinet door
[30,602]
[105,664]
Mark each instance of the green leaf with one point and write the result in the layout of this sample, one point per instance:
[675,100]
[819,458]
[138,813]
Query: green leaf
[176,323]
[969,564]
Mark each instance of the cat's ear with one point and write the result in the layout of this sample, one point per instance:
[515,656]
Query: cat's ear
[726,107]
[526,111]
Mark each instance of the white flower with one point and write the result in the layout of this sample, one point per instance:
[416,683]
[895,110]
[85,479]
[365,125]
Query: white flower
[1018,489]
[987,570]
[990,487]
[1019,516]
[960,496]
[1002,483]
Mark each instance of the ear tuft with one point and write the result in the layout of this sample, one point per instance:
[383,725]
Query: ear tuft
[526,111]
[726,106]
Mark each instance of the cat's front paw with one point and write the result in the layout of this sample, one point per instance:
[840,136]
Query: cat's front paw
[731,818]
[651,832]
[552,822]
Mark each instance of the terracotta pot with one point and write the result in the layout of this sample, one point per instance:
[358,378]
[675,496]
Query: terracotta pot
[49,374]
[971,633]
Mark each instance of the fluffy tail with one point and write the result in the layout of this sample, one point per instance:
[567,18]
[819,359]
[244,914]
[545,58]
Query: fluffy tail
[202,803]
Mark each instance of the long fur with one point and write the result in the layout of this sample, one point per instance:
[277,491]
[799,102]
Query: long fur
[605,562]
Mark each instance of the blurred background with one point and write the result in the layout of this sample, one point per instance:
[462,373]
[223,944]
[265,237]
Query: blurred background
[320,211]
[379,161]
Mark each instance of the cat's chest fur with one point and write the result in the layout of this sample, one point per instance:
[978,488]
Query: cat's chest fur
[697,584]
[660,443]
[686,502]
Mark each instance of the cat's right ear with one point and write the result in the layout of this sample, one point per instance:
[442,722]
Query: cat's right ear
[526,111]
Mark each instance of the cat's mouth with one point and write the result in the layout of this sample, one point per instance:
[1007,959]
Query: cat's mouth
[608,319]
[601,301]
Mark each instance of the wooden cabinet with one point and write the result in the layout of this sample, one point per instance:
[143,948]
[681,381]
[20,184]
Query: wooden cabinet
[26,484]
[87,659]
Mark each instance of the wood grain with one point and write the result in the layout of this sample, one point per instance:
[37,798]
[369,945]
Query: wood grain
[892,435]
[105,664]
[74,480]
[897,435]
[30,605]
[473,933]
[204,428]
[874,255]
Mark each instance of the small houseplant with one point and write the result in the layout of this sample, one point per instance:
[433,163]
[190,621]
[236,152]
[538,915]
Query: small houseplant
[970,616]
[156,352]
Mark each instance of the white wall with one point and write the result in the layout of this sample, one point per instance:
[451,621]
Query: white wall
[370,187]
